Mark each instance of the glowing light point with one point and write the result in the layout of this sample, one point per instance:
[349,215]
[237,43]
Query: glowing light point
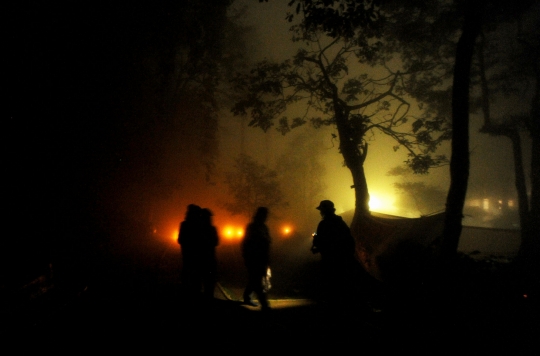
[286,230]
[232,233]
[374,203]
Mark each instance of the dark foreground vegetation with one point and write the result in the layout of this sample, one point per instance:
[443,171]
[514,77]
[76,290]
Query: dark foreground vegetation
[124,297]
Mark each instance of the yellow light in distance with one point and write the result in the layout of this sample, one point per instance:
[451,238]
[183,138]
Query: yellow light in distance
[232,232]
[381,203]
[374,202]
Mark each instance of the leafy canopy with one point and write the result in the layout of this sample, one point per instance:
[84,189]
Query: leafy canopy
[352,85]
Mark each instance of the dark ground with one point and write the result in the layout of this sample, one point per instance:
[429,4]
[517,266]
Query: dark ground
[132,300]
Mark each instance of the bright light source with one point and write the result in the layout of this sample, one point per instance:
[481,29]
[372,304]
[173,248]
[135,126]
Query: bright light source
[381,203]
[286,230]
[228,232]
[374,203]
[232,233]
[175,236]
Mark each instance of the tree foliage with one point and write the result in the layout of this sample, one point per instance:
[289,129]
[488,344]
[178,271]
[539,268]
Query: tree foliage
[109,100]
[447,22]
[112,99]
[439,37]
[251,185]
[342,18]
[412,39]
[351,84]
[508,71]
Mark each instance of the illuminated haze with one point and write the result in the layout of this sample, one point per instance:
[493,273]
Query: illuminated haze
[273,42]
[491,172]
[270,38]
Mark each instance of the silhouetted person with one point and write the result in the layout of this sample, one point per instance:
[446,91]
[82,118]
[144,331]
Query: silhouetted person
[256,253]
[189,238]
[334,242]
[209,242]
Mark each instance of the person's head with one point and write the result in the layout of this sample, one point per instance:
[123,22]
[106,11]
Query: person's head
[193,211]
[206,215]
[326,207]
[261,214]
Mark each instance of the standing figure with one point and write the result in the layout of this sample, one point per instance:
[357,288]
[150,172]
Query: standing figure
[256,253]
[190,242]
[210,240]
[333,240]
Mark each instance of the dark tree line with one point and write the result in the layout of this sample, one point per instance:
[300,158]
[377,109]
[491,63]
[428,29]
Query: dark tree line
[441,38]
[108,104]
[510,72]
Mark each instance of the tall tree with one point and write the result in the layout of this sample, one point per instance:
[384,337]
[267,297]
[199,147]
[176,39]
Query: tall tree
[510,71]
[343,82]
[460,161]
[443,33]
[100,96]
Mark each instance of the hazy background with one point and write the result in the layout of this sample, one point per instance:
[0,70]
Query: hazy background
[88,157]
[491,175]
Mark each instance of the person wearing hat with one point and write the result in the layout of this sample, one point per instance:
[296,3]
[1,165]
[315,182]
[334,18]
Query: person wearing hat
[334,242]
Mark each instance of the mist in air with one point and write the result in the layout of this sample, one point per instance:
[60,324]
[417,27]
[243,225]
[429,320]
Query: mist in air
[118,136]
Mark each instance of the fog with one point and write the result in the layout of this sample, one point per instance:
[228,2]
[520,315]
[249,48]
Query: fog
[491,173]
[90,153]
[118,116]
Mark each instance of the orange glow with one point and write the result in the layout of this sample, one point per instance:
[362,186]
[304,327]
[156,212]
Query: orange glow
[232,232]
[174,236]
[286,230]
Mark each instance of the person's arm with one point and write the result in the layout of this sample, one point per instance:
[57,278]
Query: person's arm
[317,239]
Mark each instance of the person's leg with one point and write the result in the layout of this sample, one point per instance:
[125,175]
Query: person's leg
[250,288]
[258,287]
[262,297]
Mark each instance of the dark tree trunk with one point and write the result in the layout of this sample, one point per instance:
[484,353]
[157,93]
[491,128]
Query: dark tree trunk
[361,195]
[510,130]
[535,159]
[354,157]
[529,252]
[459,164]
[519,175]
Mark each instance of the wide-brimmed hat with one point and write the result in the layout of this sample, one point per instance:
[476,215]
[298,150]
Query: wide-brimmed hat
[325,205]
